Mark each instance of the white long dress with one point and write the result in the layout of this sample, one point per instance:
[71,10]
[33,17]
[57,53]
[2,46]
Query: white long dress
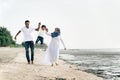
[52,52]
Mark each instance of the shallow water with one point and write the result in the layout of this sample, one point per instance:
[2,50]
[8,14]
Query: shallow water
[103,63]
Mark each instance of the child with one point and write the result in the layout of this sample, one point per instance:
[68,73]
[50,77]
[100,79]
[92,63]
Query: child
[41,35]
[52,53]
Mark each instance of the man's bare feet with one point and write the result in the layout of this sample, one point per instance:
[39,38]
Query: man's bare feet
[28,62]
[56,64]
[32,62]
[52,65]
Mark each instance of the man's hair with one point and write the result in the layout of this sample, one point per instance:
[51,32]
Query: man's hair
[43,26]
[27,21]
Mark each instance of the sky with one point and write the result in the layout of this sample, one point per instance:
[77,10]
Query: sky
[85,24]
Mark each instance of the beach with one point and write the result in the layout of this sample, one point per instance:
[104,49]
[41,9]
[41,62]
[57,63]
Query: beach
[13,66]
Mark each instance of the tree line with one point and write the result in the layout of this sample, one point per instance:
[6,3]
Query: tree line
[5,37]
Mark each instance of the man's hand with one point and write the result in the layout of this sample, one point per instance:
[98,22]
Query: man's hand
[39,23]
[17,35]
[15,38]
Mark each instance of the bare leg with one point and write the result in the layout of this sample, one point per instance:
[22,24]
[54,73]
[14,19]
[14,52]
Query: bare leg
[32,62]
[52,65]
[56,63]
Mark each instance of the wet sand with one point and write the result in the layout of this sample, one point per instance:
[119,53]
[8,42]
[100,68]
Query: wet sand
[13,66]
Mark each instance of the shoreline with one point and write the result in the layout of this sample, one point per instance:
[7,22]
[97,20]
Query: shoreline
[81,68]
[37,71]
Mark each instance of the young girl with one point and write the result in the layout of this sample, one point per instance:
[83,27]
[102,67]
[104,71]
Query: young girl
[52,53]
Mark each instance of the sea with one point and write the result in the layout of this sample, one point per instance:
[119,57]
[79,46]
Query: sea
[104,63]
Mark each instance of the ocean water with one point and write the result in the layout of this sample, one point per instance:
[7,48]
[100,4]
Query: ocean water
[104,63]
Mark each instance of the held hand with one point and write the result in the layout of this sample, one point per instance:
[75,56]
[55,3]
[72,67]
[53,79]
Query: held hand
[37,29]
[39,23]
[65,49]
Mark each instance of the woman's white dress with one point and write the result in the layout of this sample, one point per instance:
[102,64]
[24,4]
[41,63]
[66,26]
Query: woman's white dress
[52,52]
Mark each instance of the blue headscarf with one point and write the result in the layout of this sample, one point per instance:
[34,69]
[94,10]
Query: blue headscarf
[56,33]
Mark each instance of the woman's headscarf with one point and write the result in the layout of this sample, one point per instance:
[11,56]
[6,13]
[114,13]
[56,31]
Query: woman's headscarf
[55,33]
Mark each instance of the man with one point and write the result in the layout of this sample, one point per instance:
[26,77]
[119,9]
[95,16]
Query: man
[41,34]
[28,40]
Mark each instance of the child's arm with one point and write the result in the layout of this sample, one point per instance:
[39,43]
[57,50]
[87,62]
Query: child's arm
[17,34]
[47,32]
[63,43]
[39,24]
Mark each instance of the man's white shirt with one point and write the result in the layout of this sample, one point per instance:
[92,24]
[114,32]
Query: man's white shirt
[27,33]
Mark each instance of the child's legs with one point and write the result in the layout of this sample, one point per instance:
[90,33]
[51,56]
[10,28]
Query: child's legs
[41,39]
[37,40]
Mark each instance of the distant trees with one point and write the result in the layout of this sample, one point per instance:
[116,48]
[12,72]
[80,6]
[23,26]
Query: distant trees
[5,37]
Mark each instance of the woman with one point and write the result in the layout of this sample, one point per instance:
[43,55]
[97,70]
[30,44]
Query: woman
[52,53]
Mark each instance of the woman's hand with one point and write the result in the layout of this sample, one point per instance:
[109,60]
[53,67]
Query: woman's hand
[65,49]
